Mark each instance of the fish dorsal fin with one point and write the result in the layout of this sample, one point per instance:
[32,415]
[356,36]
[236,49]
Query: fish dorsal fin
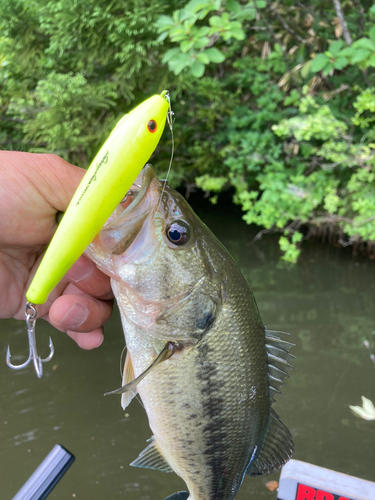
[152,458]
[279,359]
[277,449]
[127,377]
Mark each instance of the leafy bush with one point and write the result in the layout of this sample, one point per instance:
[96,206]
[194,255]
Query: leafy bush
[272,100]
[297,142]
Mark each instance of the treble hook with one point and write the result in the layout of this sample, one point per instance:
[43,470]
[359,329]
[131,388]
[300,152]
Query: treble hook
[33,353]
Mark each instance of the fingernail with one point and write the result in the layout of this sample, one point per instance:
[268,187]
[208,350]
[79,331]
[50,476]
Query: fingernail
[81,270]
[75,316]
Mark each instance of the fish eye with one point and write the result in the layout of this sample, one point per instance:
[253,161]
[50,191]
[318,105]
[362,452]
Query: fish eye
[178,232]
[152,126]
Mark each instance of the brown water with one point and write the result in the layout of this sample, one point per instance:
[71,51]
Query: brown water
[326,302]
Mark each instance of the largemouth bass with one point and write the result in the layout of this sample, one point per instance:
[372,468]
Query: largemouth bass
[197,351]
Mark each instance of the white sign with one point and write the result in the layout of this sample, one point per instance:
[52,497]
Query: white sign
[302,481]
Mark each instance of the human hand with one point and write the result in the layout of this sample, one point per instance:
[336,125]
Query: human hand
[33,188]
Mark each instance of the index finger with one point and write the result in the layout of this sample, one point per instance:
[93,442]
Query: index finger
[87,277]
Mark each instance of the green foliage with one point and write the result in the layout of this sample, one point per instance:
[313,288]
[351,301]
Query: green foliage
[338,55]
[208,183]
[195,38]
[365,106]
[275,101]
[62,113]
[298,151]
[70,70]
[289,247]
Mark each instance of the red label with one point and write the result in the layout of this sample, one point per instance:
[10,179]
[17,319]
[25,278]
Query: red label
[305,492]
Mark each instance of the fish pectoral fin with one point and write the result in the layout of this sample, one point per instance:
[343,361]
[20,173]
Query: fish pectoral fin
[277,449]
[152,458]
[127,378]
[165,354]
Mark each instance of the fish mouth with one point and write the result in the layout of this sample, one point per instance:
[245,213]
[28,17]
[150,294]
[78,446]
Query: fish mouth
[139,204]
[139,190]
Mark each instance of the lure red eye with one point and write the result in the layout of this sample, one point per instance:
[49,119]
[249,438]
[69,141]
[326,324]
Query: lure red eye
[152,126]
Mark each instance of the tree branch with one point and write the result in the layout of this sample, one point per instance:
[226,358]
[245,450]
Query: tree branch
[277,39]
[284,23]
[340,15]
[361,15]
[9,119]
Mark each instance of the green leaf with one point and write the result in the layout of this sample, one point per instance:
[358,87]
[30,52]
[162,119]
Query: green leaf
[197,5]
[162,36]
[203,31]
[340,63]
[170,54]
[297,236]
[215,21]
[261,4]
[203,57]
[179,63]
[198,69]
[176,16]
[364,43]
[246,14]
[176,32]
[164,23]
[293,98]
[371,33]
[335,47]
[326,71]
[186,45]
[185,15]
[306,68]
[237,33]
[360,55]
[201,43]
[371,60]
[215,55]
[319,62]
[347,52]
[233,6]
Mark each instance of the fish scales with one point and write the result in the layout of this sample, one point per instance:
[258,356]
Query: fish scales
[209,404]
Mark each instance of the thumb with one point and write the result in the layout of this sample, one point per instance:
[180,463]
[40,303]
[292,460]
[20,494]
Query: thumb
[53,177]
[33,188]
[61,179]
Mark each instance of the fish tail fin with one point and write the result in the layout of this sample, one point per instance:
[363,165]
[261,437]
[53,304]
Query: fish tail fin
[181,495]
[276,450]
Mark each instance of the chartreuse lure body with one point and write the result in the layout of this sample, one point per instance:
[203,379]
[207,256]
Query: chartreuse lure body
[102,188]
[104,185]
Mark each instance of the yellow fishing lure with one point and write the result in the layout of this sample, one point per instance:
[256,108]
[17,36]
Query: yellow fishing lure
[104,185]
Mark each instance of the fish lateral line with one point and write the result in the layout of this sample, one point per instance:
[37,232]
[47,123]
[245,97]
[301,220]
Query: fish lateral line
[168,351]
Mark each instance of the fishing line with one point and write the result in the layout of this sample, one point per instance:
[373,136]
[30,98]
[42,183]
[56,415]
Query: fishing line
[170,120]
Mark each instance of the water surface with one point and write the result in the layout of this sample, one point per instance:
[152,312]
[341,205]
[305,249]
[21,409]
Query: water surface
[326,302]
